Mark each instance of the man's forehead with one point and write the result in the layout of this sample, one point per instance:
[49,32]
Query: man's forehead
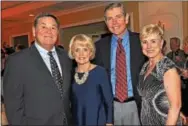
[44,21]
[115,10]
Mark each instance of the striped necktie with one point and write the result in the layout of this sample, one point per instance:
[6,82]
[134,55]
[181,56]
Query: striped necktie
[121,73]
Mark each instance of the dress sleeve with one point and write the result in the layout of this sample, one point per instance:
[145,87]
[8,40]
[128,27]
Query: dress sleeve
[167,65]
[107,95]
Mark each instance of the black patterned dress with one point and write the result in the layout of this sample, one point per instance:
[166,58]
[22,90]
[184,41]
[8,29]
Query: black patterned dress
[155,104]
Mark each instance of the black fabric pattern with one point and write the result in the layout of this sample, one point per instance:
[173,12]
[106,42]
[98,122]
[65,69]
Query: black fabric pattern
[155,104]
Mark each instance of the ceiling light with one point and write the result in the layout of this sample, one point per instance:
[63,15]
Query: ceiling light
[31,15]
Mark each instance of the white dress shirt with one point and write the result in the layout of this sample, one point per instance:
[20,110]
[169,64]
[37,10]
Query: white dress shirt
[46,58]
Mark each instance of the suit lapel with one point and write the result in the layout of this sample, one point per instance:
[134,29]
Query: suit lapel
[132,51]
[40,64]
[107,55]
[133,56]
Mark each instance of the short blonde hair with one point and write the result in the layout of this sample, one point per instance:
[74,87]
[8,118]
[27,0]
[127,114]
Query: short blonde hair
[82,38]
[151,29]
[185,41]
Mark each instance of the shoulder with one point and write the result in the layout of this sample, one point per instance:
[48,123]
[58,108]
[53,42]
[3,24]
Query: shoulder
[18,60]
[134,37]
[64,56]
[19,56]
[100,74]
[62,52]
[99,70]
[164,65]
[103,41]
[182,52]
[170,53]
[134,34]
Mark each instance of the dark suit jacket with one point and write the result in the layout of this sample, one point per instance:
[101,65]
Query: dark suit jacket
[179,53]
[30,94]
[137,59]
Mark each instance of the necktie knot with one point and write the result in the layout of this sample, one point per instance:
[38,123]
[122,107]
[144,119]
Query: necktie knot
[50,53]
[120,45]
[120,40]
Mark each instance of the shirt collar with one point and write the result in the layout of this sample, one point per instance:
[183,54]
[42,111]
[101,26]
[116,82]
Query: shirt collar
[124,36]
[42,50]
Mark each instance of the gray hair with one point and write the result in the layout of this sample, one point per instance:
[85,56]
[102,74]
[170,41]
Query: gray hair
[114,5]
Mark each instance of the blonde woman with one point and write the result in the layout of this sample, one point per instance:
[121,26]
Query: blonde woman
[91,92]
[159,83]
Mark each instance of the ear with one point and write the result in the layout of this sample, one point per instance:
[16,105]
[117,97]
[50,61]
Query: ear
[105,21]
[127,18]
[90,55]
[33,30]
[73,55]
[162,42]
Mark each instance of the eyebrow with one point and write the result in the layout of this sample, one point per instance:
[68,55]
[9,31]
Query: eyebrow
[115,15]
[45,24]
[153,39]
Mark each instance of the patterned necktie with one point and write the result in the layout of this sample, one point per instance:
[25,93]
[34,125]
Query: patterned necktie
[121,73]
[56,74]
[57,79]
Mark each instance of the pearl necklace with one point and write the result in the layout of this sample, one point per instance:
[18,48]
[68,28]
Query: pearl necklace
[83,78]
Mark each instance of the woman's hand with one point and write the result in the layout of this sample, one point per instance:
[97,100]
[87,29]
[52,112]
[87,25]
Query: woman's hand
[183,118]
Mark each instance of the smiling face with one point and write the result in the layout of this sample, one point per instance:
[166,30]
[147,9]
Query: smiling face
[81,52]
[46,32]
[174,46]
[116,21]
[152,45]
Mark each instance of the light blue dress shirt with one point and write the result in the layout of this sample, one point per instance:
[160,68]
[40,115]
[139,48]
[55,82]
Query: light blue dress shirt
[46,58]
[126,45]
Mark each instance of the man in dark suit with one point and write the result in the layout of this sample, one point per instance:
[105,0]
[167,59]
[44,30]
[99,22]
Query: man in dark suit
[110,52]
[177,55]
[37,80]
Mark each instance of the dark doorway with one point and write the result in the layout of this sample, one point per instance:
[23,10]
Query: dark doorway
[23,40]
